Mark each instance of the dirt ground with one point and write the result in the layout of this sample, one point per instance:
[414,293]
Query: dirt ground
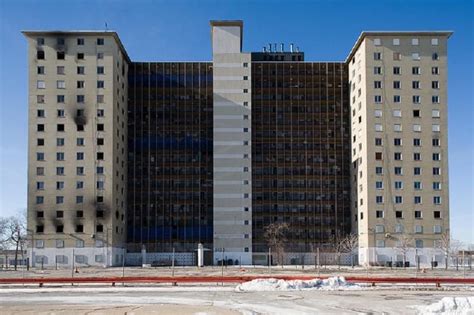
[236,270]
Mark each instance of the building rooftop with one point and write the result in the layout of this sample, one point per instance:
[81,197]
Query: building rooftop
[394,33]
[29,33]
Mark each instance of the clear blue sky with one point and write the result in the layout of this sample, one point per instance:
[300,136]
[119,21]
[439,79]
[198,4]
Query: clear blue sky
[179,30]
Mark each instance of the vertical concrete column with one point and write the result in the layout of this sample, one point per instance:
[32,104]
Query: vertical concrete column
[232,144]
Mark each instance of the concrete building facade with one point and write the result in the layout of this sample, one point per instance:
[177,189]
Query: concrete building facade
[131,157]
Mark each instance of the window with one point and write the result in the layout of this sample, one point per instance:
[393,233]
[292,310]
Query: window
[40,99]
[435,142]
[397,56]
[397,70]
[79,185]
[396,42]
[417,142]
[379,214]
[397,156]
[416,113]
[397,127]
[80,56]
[100,141]
[81,70]
[434,70]
[40,41]
[399,227]
[80,98]
[437,214]
[59,185]
[397,113]
[378,156]
[379,228]
[60,84]
[416,99]
[414,41]
[59,244]
[417,200]
[80,84]
[417,156]
[419,243]
[378,185]
[39,156]
[417,171]
[99,228]
[80,170]
[396,99]
[378,127]
[39,200]
[379,170]
[59,199]
[435,56]
[40,84]
[59,228]
[434,42]
[377,113]
[398,185]
[99,258]
[40,171]
[415,85]
[80,141]
[396,85]
[435,128]
[100,170]
[436,186]
[378,141]
[100,84]
[60,127]
[417,128]
[61,55]
[60,98]
[377,56]
[79,199]
[437,200]
[100,55]
[437,229]
[100,41]
[436,157]
[378,98]
[380,243]
[377,84]
[397,142]
[100,127]
[398,170]
[100,70]
[417,185]
[79,156]
[100,99]
[60,156]
[416,70]
[100,155]
[100,185]
[40,185]
[79,243]
[377,41]
[59,170]
[377,70]
[40,55]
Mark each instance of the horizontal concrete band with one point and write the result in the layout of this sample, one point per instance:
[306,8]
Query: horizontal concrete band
[229,169]
[229,130]
[229,156]
[226,143]
[228,78]
[228,195]
[229,209]
[233,117]
[228,65]
[231,91]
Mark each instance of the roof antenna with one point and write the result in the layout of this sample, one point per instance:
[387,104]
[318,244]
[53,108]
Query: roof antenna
[106,27]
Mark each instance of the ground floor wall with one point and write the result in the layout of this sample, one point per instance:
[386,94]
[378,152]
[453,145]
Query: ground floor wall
[67,257]
[413,256]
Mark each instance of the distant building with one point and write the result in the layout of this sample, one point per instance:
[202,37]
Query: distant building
[162,156]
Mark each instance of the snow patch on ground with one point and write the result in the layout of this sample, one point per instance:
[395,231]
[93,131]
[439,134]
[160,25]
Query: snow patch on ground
[272,284]
[449,306]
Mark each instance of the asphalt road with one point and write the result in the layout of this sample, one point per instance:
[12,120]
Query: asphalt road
[201,300]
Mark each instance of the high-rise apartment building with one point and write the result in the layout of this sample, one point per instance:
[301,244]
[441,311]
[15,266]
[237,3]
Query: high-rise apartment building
[158,157]
[399,141]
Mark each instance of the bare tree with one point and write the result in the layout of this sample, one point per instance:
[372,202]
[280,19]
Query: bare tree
[350,244]
[404,242]
[15,231]
[449,246]
[275,235]
[4,234]
[338,244]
